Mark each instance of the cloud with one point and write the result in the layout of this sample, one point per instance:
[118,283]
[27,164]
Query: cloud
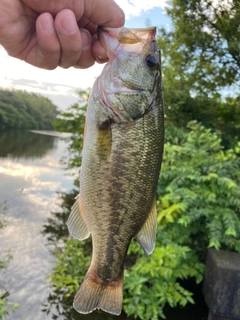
[45,87]
[137,7]
[61,95]
[59,85]
[13,70]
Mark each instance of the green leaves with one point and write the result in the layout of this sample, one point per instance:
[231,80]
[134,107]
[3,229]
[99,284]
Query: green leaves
[198,207]
[199,188]
[201,63]
[152,281]
[22,110]
[72,264]
[73,121]
[209,46]
[5,307]
[5,257]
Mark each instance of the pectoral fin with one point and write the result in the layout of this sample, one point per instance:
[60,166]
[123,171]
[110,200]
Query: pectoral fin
[76,223]
[147,235]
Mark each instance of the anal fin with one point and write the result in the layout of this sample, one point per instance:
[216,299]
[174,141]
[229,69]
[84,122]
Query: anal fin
[76,223]
[146,237]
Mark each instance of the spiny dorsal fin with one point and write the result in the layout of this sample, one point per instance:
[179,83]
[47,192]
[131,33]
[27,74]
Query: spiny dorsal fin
[76,223]
[146,237]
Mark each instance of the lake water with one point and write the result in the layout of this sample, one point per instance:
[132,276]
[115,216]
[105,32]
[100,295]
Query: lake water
[31,178]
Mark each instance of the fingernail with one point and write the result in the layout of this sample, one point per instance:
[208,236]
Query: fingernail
[86,39]
[69,24]
[101,59]
[47,23]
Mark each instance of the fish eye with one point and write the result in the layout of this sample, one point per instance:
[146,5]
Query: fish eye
[151,61]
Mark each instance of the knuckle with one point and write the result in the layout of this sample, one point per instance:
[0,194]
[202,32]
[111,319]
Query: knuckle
[48,61]
[69,59]
[47,66]
[84,65]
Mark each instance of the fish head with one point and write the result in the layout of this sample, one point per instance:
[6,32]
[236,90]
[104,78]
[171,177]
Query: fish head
[133,72]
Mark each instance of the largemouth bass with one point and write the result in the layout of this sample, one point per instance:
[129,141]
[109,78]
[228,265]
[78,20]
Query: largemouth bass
[121,160]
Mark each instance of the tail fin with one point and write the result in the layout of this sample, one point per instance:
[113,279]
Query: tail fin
[94,294]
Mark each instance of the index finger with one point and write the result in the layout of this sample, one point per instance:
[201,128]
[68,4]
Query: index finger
[100,12]
[104,13]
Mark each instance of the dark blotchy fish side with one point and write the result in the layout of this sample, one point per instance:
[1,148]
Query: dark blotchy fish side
[122,154]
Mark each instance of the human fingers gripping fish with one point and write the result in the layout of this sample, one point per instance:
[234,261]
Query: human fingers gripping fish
[121,160]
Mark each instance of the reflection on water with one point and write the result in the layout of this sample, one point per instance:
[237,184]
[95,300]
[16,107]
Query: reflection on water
[30,176]
[55,227]
[22,144]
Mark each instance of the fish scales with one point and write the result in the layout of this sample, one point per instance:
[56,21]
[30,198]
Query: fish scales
[122,155]
[133,166]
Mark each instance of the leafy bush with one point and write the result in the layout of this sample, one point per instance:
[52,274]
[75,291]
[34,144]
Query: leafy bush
[73,121]
[6,307]
[199,193]
[198,207]
[5,257]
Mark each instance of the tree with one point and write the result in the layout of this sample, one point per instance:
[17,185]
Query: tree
[73,121]
[206,39]
[22,144]
[22,110]
[201,60]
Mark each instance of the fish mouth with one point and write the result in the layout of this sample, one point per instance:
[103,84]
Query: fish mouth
[132,39]
[129,35]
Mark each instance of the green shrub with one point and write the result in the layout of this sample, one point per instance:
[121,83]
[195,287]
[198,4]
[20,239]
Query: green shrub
[198,207]
[5,257]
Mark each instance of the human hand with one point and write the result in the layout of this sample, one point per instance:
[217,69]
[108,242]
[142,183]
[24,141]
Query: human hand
[50,33]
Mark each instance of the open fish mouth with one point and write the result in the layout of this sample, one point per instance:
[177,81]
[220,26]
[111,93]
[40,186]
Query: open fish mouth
[132,39]
[129,35]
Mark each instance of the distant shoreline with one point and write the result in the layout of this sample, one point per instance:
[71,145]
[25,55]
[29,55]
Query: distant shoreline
[52,133]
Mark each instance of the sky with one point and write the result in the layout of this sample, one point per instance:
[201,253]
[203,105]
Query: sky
[61,85]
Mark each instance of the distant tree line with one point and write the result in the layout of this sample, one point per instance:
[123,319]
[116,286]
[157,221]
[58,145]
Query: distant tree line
[22,110]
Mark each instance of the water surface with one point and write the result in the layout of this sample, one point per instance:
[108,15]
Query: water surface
[30,177]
